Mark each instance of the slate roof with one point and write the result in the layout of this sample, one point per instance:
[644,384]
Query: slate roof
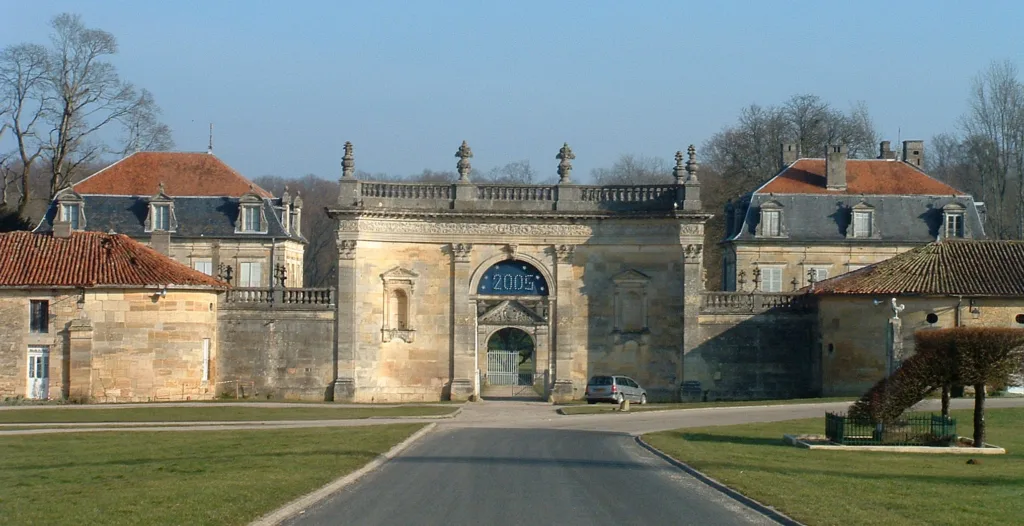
[958,267]
[182,173]
[197,217]
[907,204]
[90,259]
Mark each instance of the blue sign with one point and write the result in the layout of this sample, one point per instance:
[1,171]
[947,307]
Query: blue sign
[513,278]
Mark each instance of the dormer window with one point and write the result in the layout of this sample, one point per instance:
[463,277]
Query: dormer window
[251,218]
[161,213]
[953,221]
[69,213]
[771,220]
[862,221]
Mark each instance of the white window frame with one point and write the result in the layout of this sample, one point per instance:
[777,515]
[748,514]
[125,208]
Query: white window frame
[771,221]
[953,221]
[203,265]
[820,273]
[71,213]
[767,284]
[161,216]
[862,220]
[250,218]
[246,277]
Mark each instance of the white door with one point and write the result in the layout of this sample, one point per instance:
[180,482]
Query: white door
[38,373]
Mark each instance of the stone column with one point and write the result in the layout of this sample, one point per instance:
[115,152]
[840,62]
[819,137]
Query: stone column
[693,286]
[564,315]
[80,363]
[462,326]
[347,323]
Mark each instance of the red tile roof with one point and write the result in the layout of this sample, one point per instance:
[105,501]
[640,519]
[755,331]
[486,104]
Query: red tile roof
[863,176]
[183,174]
[90,259]
[946,268]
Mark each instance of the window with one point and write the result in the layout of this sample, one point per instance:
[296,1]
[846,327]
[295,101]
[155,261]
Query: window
[818,273]
[954,225]
[861,223]
[771,279]
[161,217]
[251,219]
[399,310]
[206,359]
[771,223]
[203,265]
[70,213]
[39,316]
[249,275]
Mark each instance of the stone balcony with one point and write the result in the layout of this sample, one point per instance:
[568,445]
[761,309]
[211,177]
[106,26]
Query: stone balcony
[753,302]
[279,298]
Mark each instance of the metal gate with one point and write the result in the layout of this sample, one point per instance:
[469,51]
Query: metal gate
[502,368]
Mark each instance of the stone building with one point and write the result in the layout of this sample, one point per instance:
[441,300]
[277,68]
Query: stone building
[445,290]
[822,217]
[868,318]
[100,317]
[194,208]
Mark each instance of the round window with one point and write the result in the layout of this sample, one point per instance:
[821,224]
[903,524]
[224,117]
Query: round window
[932,317]
[1020,319]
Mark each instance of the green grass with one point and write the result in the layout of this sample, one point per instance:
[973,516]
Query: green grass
[208,477]
[576,409]
[239,413]
[833,487]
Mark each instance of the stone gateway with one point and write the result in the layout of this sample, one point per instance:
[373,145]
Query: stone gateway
[437,283]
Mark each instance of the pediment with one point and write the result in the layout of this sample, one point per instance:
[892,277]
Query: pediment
[511,312]
[631,276]
[399,273]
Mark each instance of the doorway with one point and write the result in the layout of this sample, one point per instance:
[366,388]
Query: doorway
[511,364]
[38,373]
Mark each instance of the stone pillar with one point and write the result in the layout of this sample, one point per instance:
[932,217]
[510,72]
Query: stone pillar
[347,323]
[693,286]
[462,326]
[564,315]
[79,383]
[894,345]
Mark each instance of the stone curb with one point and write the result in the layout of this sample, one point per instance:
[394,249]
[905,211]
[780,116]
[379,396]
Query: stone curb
[753,405]
[453,414]
[989,449]
[763,509]
[296,506]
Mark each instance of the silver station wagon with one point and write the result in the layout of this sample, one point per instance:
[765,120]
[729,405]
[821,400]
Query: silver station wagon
[614,389]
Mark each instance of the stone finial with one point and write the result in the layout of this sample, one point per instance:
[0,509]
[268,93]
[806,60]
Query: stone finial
[286,197]
[348,162]
[679,169]
[565,156]
[691,164]
[297,202]
[464,154]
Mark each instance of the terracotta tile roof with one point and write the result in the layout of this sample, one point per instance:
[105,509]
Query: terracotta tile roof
[90,259]
[949,267]
[863,176]
[183,174]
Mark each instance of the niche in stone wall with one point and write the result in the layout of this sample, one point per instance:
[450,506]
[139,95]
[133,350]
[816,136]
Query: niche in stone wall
[399,306]
[631,299]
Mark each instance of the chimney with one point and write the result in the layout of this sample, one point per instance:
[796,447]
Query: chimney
[885,151]
[835,167]
[913,153]
[161,242]
[61,229]
[788,154]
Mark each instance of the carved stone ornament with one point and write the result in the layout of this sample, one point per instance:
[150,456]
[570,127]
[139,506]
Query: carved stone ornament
[692,253]
[348,162]
[565,156]
[511,249]
[406,335]
[511,312]
[679,171]
[691,230]
[400,277]
[564,253]
[691,164]
[464,154]
[461,251]
[347,249]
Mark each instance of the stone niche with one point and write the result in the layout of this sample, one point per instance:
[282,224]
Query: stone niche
[399,305]
[631,299]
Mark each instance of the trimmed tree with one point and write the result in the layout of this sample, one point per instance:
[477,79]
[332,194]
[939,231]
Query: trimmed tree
[985,356]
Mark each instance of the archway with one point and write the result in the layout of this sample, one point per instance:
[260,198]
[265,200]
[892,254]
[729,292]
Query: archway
[511,362]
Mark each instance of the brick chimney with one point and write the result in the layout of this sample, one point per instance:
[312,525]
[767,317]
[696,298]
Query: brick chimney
[788,154]
[61,229]
[885,151]
[913,153]
[835,167]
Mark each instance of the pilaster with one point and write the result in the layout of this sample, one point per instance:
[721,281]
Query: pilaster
[347,317]
[562,388]
[462,325]
[80,360]
[693,285]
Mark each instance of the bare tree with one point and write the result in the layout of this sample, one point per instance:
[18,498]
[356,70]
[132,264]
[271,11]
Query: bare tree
[516,172]
[634,169]
[143,130]
[24,70]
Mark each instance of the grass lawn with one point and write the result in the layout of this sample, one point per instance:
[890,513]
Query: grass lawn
[576,409]
[208,477]
[238,413]
[833,487]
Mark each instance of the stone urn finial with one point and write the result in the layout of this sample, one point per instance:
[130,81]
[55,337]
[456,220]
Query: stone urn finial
[565,156]
[691,164]
[464,154]
[348,162]
[679,170]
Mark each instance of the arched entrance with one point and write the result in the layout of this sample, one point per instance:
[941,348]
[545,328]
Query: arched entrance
[511,358]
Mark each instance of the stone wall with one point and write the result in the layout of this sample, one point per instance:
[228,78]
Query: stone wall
[797,261]
[281,349]
[753,346]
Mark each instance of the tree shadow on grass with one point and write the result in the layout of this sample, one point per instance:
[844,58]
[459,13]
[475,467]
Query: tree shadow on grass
[731,439]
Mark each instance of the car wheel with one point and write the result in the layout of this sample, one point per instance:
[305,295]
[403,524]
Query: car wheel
[643,399]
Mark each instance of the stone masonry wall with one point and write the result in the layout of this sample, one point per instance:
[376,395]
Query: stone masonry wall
[276,353]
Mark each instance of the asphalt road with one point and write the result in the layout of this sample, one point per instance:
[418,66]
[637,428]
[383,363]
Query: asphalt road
[496,477]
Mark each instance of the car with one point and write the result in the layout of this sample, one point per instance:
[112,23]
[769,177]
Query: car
[614,389]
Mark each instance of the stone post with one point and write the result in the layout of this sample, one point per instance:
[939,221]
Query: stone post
[80,363]
[561,388]
[691,192]
[347,323]
[568,195]
[462,326]
[348,195]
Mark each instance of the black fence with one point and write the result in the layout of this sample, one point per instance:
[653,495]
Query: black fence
[919,430]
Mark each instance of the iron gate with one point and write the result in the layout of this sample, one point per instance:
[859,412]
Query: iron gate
[503,368]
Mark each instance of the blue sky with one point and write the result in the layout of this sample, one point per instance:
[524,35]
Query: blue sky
[286,83]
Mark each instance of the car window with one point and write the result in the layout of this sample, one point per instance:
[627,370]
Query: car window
[632,383]
[601,380]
